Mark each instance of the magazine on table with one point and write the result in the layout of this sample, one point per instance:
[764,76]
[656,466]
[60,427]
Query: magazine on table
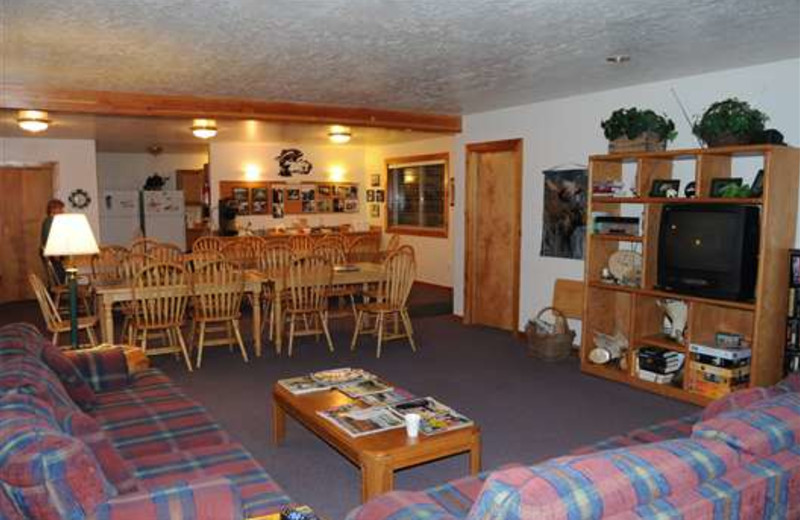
[436,417]
[385,398]
[340,376]
[303,385]
[358,389]
[356,420]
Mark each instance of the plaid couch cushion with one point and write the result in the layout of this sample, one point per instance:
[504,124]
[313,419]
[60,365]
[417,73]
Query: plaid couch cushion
[672,429]
[765,428]
[115,468]
[29,375]
[260,494]
[21,339]
[48,474]
[104,368]
[790,384]
[739,400]
[602,484]
[153,416]
[72,379]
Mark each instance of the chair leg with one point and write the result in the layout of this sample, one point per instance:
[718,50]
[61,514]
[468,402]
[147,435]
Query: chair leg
[359,318]
[291,333]
[185,352]
[201,343]
[409,329]
[239,340]
[380,333]
[324,321]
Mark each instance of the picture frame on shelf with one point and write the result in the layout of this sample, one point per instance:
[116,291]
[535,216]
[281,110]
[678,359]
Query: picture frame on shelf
[757,188]
[720,184]
[662,188]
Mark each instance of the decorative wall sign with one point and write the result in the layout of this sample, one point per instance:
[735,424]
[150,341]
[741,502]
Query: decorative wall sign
[564,219]
[292,162]
[79,199]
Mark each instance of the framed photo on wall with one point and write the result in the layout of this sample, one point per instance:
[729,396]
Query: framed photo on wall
[379,196]
[370,195]
[375,180]
[375,210]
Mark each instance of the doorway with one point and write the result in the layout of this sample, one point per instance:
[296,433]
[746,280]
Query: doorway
[26,190]
[493,212]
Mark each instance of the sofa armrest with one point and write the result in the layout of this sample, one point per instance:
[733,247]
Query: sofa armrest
[204,499]
[408,505]
[105,368]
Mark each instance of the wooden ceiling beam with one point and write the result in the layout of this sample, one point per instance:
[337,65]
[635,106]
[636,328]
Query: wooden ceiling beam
[18,97]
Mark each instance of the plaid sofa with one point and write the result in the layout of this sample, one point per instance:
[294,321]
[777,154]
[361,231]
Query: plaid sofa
[108,446]
[738,459]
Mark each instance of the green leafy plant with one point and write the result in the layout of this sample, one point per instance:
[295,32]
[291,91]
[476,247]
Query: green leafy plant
[730,122]
[733,191]
[632,122]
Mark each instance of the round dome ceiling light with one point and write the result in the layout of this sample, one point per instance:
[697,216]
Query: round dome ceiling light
[204,128]
[339,134]
[33,121]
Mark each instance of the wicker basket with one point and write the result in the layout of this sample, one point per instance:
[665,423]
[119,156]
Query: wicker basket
[646,142]
[553,346]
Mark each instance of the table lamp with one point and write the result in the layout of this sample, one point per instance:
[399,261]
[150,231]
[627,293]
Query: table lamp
[71,235]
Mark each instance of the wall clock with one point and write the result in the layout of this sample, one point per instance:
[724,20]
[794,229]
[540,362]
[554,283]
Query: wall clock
[79,199]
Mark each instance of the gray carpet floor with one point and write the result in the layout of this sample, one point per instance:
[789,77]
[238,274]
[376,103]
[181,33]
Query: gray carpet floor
[528,410]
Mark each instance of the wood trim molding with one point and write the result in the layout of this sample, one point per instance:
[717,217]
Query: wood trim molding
[18,97]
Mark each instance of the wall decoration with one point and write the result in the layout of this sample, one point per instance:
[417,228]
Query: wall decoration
[79,199]
[351,206]
[375,210]
[380,196]
[564,219]
[241,196]
[370,195]
[451,194]
[155,182]
[375,180]
[293,194]
[665,187]
[260,200]
[324,190]
[293,162]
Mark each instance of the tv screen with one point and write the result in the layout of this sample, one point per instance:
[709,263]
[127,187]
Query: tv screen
[709,250]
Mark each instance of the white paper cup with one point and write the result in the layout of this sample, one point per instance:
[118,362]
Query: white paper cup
[412,424]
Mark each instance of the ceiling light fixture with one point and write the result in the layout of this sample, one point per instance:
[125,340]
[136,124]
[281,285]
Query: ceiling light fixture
[34,121]
[204,128]
[339,134]
[618,59]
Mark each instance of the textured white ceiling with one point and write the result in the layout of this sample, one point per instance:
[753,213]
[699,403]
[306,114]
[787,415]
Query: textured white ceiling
[454,56]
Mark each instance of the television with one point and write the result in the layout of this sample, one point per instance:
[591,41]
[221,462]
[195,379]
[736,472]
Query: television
[709,250]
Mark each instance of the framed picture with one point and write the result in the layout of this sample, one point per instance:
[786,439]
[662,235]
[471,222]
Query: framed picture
[375,210]
[757,188]
[375,180]
[370,195]
[795,267]
[662,187]
[452,192]
[260,200]
[719,185]
[379,196]
[241,196]
[293,194]
[324,190]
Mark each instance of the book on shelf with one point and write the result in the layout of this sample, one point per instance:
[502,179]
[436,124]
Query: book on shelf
[357,420]
[730,354]
[358,389]
[656,377]
[436,417]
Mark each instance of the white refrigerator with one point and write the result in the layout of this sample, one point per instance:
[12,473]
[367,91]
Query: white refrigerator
[127,215]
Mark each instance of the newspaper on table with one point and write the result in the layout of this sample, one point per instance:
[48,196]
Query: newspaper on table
[356,420]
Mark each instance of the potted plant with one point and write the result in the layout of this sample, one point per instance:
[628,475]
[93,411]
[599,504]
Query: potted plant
[730,122]
[634,130]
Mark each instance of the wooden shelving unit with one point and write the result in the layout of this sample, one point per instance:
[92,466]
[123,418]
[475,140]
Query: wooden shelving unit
[611,308]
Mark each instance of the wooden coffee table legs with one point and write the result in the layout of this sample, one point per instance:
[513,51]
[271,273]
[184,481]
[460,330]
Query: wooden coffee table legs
[278,423]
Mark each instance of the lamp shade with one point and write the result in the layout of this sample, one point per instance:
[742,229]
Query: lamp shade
[70,235]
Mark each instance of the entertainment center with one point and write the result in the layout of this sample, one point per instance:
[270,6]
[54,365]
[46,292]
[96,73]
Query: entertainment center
[717,295]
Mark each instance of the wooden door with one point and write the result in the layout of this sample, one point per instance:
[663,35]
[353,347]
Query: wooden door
[494,191]
[25,192]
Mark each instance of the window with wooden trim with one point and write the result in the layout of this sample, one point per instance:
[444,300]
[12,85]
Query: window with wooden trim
[417,195]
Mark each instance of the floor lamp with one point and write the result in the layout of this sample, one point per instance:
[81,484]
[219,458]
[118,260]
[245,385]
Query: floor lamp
[71,235]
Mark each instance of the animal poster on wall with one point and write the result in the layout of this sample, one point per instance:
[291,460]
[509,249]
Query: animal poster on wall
[564,219]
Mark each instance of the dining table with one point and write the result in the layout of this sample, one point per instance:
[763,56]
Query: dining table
[358,274]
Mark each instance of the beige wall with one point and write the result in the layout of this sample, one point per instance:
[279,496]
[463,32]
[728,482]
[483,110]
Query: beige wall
[129,171]
[434,254]
[75,167]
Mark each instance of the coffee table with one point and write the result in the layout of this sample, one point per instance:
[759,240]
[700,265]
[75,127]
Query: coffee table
[377,455]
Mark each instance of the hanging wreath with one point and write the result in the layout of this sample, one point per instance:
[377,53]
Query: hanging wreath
[79,199]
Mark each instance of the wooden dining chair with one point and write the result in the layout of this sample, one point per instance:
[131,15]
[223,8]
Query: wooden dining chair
[207,244]
[301,245]
[391,301]
[107,264]
[52,318]
[217,291]
[166,253]
[335,255]
[331,240]
[364,249]
[142,245]
[160,294]
[241,253]
[193,261]
[59,290]
[392,245]
[274,261]
[309,280]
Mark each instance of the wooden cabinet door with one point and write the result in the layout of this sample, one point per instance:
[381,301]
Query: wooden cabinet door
[26,191]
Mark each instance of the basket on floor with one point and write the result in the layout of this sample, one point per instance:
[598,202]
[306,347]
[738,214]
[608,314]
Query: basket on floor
[549,342]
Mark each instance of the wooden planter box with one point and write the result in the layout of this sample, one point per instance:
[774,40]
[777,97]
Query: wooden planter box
[646,142]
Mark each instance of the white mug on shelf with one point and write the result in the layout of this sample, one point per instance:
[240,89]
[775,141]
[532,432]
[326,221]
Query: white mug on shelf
[412,424]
